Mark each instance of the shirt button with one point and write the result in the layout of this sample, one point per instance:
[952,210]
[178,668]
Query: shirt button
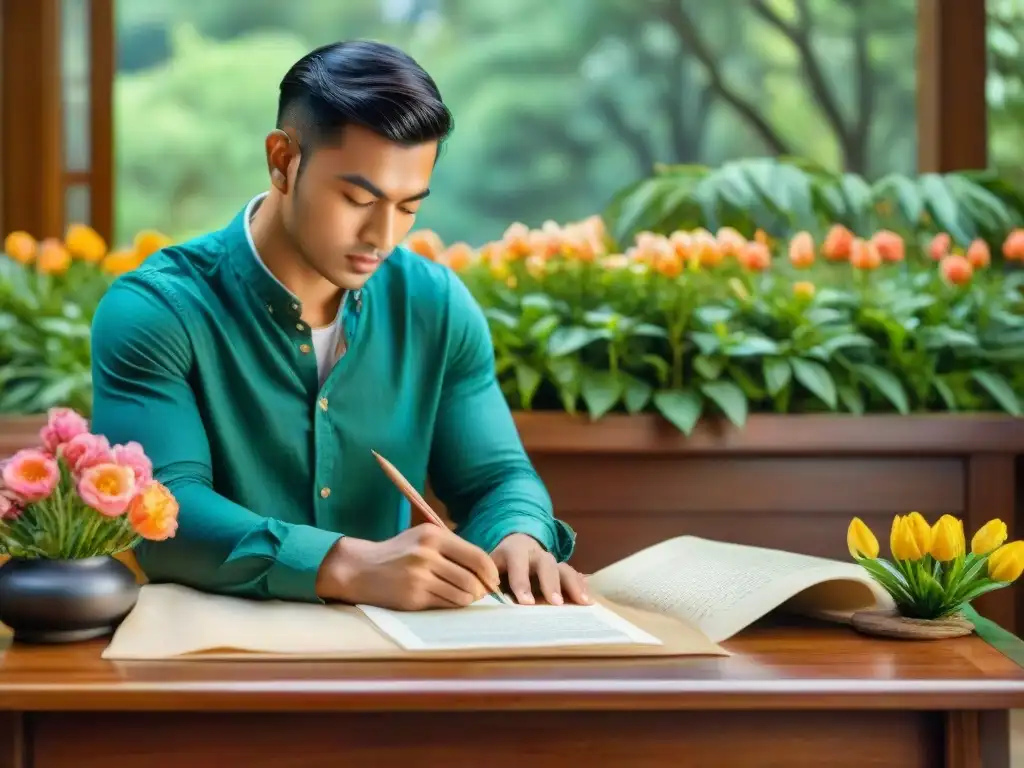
[325,492]
[323,403]
[300,327]
[304,348]
[295,307]
[270,308]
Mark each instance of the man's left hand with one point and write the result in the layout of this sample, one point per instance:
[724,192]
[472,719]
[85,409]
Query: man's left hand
[525,561]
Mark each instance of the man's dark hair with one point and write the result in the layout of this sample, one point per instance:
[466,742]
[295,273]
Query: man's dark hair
[364,83]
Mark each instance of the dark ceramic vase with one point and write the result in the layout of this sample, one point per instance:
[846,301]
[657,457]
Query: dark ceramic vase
[64,601]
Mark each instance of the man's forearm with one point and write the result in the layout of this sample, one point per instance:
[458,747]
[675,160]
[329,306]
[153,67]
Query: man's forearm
[223,547]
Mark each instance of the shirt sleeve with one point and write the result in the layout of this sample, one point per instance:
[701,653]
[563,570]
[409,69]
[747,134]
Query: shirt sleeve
[141,359]
[478,466]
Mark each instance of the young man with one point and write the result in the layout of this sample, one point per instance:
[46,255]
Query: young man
[259,366]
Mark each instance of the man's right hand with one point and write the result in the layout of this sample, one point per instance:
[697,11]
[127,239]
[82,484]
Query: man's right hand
[421,568]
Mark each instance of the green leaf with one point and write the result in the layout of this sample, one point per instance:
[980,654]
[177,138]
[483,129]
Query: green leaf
[637,393]
[942,336]
[907,196]
[601,391]
[885,383]
[777,374]
[708,343]
[944,209]
[752,346]
[527,380]
[708,367]
[543,327]
[847,341]
[979,589]
[660,365]
[851,398]
[565,341]
[1000,390]
[946,393]
[681,407]
[729,398]
[816,379]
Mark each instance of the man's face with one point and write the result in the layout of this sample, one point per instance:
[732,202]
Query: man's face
[355,201]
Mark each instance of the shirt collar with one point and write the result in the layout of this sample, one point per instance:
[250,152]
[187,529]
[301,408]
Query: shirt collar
[251,268]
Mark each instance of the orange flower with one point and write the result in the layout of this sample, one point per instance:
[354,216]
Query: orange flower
[1013,248]
[21,247]
[153,513]
[458,256]
[426,243]
[956,269]
[148,241]
[890,246]
[536,267]
[730,242]
[54,258]
[756,257]
[804,289]
[517,241]
[979,254]
[939,246]
[119,262]
[706,250]
[85,243]
[801,250]
[864,255]
[762,237]
[838,243]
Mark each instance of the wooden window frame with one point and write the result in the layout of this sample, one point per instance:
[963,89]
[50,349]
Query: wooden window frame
[951,106]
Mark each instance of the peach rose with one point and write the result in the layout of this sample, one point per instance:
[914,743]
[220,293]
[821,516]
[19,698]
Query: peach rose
[756,257]
[153,513]
[939,246]
[978,254]
[864,255]
[1013,247]
[426,243]
[956,270]
[838,243]
[107,488]
[31,474]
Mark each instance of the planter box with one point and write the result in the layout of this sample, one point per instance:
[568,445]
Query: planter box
[789,482]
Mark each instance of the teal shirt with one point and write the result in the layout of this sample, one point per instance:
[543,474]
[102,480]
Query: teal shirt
[202,357]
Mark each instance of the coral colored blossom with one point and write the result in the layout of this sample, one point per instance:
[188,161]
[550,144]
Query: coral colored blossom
[31,474]
[153,513]
[426,243]
[978,254]
[457,256]
[132,455]
[62,424]
[939,246]
[890,246]
[1013,247]
[756,257]
[864,255]
[107,488]
[801,250]
[956,269]
[838,243]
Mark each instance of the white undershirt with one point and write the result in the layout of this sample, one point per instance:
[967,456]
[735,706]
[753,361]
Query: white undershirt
[326,340]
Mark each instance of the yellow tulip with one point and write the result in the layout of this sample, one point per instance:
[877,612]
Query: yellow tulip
[910,538]
[989,537]
[1007,562]
[85,243]
[861,541]
[947,539]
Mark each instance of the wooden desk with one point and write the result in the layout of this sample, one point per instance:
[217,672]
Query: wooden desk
[792,695]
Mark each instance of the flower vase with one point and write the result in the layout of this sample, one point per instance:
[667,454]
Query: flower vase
[64,601]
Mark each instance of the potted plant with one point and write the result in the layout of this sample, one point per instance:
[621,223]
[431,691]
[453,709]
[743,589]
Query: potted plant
[932,578]
[67,507]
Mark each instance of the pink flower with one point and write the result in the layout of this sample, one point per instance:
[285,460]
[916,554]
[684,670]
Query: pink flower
[107,488]
[63,425]
[86,450]
[132,455]
[10,505]
[31,474]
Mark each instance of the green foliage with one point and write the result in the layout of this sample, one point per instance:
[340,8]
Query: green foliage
[630,333]
[787,195]
[44,336]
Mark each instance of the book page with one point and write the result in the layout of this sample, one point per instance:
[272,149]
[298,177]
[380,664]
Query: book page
[488,624]
[721,588]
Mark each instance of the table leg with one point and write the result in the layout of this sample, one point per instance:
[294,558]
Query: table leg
[13,747]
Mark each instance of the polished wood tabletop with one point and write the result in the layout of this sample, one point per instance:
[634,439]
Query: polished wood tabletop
[779,664]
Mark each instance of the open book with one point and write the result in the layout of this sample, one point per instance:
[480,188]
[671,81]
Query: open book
[678,598]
